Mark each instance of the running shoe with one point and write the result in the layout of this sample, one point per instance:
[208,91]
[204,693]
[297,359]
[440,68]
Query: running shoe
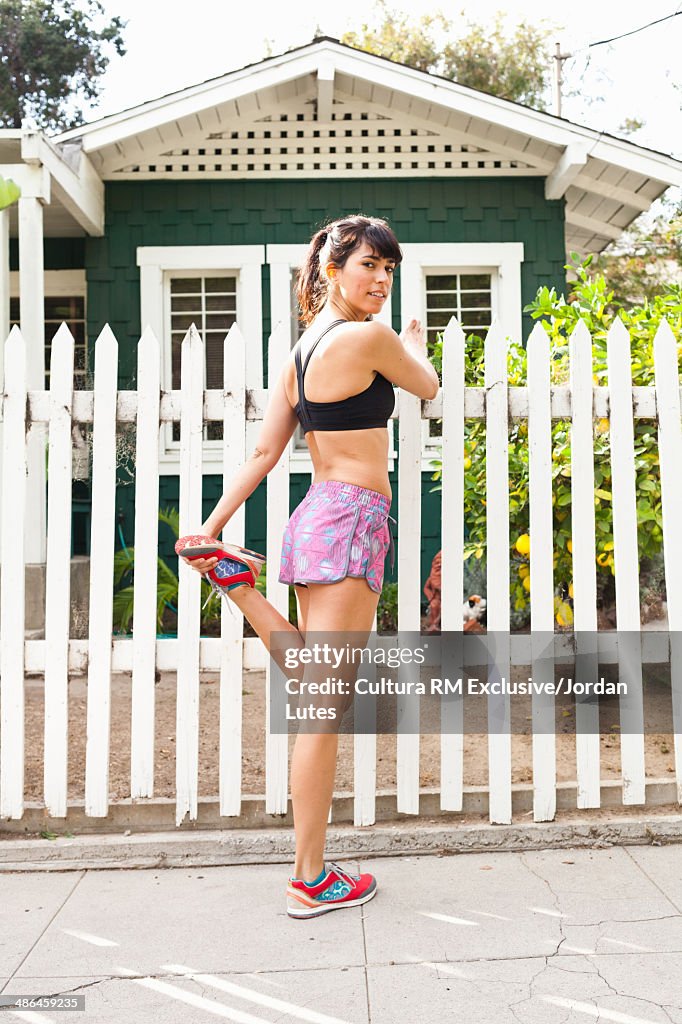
[237,568]
[336,890]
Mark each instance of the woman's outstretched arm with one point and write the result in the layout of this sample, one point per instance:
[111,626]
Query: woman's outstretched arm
[279,423]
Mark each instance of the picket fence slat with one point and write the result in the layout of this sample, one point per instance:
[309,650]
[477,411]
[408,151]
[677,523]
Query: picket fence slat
[497,569]
[666,373]
[12,590]
[409,598]
[277,744]
[409,429]
[231,650]
[189,586]
[146,566]
[101,574]
[626,557]
[58,575]
[452,565]
[541,575]
[583,539]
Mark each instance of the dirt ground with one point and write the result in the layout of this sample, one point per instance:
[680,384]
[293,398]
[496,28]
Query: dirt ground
[658,739]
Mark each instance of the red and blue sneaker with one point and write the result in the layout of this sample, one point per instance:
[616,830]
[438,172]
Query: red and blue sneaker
[237,567]
[332,890]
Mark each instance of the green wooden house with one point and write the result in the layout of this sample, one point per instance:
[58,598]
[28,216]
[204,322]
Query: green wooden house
[197,206]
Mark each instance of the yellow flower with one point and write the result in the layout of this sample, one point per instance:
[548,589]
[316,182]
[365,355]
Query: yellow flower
[569,546]
[602,425]
[526,583]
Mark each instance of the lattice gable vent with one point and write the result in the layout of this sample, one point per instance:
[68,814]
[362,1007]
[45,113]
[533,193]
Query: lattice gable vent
[291,142]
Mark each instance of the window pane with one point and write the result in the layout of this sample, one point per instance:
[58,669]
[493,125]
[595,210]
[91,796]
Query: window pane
[64,308]
[186,304]
[443,300]
[184,322]
[441,282]
[478,319]
[210,304]
[225,285]
[475,281]
[176,343]
[185,285]
[219,321]
[475,300]
[214,361]
[467,297]
[221,303]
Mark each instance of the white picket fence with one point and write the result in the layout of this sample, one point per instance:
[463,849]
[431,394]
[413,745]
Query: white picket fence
[149,407]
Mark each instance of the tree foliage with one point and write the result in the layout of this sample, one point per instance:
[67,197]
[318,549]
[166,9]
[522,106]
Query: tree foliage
[52,56]
[645,262]
[514,66]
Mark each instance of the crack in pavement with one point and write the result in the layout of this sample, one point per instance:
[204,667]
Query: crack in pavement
[653,882]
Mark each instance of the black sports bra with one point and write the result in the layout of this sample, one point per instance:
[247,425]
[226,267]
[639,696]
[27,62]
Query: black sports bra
[369,408]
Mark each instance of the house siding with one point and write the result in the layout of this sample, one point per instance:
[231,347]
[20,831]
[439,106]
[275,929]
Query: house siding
[252,212]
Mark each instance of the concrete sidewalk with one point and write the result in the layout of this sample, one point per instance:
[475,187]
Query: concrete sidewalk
[543,937]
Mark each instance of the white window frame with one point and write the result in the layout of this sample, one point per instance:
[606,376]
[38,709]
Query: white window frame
[283,259]
[502,260]
[157,265]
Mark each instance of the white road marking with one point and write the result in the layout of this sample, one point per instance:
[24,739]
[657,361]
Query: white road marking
[549,913]
[201,1003]
[303,1013]
[599,1012]
[630,945]
[94,940]
[448,919]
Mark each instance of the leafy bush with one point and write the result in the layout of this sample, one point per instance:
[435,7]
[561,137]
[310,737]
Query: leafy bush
[166,588]
[591,303]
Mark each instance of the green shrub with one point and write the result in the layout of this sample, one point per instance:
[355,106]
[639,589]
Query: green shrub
[591,303]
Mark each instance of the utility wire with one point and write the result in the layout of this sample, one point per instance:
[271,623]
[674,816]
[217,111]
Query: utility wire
[634,31]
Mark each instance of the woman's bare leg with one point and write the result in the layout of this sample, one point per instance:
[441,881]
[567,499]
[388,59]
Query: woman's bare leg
[262,615]
[349,605]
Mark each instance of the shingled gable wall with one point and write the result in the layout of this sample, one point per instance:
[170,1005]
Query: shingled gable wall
[248,212]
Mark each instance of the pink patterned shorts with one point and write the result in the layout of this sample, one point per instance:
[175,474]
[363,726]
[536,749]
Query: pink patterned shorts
[338,530]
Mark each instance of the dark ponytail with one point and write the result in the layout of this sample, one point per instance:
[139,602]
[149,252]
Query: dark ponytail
[333,244]
[311,289]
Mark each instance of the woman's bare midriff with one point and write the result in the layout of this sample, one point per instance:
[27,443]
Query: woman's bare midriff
[354,456]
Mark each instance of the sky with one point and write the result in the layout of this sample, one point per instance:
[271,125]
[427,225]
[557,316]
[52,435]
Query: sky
[172,44]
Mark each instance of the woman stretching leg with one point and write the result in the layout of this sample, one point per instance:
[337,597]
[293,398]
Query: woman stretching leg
[339,533]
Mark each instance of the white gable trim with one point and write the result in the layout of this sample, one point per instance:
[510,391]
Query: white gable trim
[368,77]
